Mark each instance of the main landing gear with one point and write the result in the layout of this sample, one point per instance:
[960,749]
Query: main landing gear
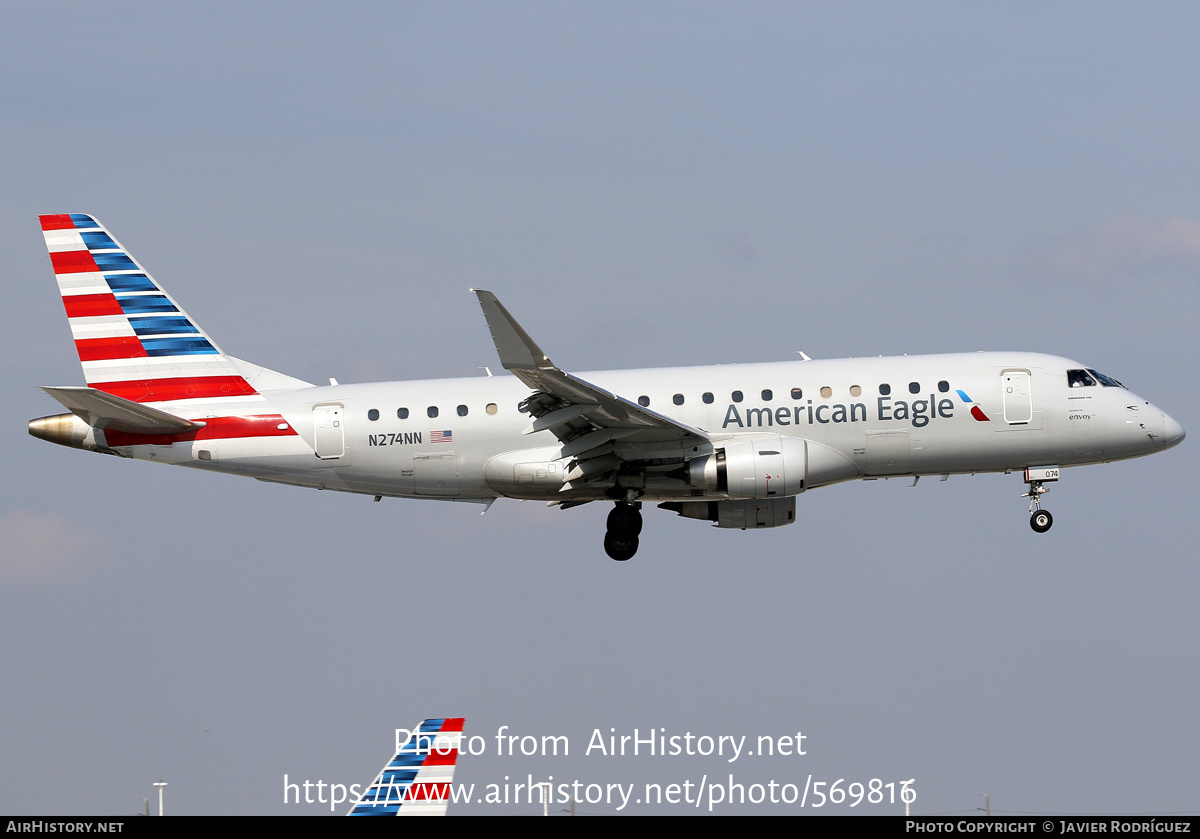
[1040,520]
[624,525]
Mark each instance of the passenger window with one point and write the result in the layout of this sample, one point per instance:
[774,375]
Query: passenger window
[492,408]
[707,399]
[855,390]
[372,415]
[767,395]
[431,411]
[462,410]
[644,401]
[797,393]
[943,386]
[826,392]
[885,390]
[736,396]
[402,413]
[914,387]
[677,399]
[1080,378]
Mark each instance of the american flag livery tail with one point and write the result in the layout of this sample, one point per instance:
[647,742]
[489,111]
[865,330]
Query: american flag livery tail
[416,782]
[154,377]
[133,340]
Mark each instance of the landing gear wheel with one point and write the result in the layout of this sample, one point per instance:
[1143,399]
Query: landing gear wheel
[625,519]
[1040,521]
[619,546]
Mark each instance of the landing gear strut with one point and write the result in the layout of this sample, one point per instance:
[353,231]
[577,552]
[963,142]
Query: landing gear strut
[1039,519]
[624,525]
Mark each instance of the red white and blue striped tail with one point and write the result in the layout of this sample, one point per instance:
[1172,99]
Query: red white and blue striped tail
[133,339]
[416,782]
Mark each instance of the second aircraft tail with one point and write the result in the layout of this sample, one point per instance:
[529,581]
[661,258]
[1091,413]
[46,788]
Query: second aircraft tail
[416,782]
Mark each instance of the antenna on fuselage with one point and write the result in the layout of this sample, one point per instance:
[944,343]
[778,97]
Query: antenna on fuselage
[803,355]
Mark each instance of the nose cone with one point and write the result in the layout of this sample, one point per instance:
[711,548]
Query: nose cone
[1173,432]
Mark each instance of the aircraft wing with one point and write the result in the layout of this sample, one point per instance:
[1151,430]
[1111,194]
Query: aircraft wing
[587,419]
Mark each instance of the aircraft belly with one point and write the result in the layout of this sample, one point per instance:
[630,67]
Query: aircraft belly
[435,473]
[887,452]
[240,454]
[534,473]
[937,452]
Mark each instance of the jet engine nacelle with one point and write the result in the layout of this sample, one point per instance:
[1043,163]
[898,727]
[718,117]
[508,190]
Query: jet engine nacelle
[742,515]
[768,466]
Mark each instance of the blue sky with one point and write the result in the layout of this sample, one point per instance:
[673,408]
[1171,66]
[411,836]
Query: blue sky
[642,185]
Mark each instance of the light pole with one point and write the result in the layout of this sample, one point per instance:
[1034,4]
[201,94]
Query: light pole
[160,784]
[907,794]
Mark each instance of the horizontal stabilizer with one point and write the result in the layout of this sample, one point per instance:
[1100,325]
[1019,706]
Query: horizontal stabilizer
[104,410]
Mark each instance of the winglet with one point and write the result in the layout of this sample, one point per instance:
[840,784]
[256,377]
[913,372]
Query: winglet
[517,350]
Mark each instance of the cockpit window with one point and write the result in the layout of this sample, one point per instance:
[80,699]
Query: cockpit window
[1080,378]
[1107,381]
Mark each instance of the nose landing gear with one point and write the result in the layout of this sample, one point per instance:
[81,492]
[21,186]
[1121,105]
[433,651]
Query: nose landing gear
[1040,520]
[624,525]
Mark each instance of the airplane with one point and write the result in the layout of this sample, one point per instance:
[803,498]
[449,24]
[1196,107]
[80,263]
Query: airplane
[730,444]
[416,781]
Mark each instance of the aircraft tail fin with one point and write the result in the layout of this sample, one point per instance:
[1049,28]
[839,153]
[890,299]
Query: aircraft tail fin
[416,782]
[134,341]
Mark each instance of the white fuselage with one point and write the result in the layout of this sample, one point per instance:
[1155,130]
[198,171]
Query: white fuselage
[1026,415]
